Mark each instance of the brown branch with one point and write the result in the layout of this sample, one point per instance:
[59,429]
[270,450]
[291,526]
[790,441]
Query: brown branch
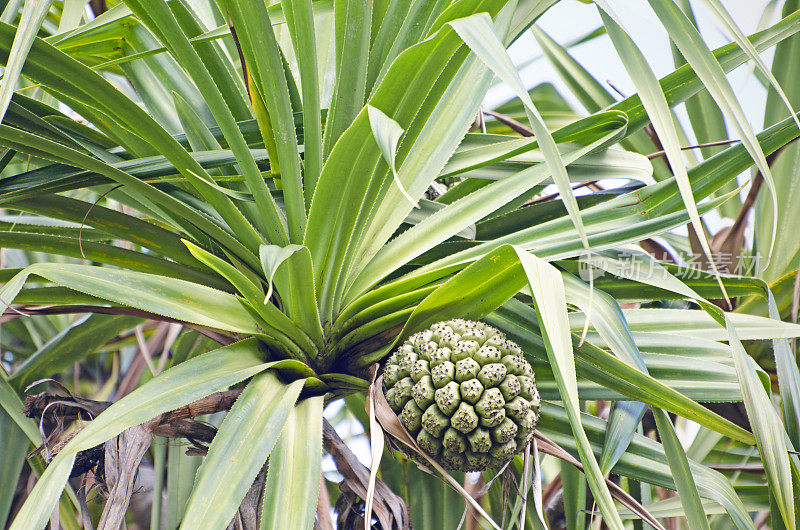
[513,124]
[69,408]
[216,402]
[389,508]
[98,7]
[549,447]
[662,153]
[60,410]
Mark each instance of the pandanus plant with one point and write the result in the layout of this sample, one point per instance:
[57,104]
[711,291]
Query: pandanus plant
[264,173]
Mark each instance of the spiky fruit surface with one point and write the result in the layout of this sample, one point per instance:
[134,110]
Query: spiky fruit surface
[465,393]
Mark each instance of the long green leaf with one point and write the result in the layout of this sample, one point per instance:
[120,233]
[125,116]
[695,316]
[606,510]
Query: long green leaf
[633,216]
[13,407]
[707,121]
[33,14]
[679,465]
[294,470]
[245,437]
[387,134]
[353,24]
[15,448]
[684,82]
[287,267]
[657,108]
[71,345]
[300,21]
[788,379]
[174,388]
[767,429]
[719,11]
[551,310]
[167,206]
[591,93]
[479,34]
[690,43]
[610,323]
[169,297]
[127,227]
[599,365]
[181,471]
[645,461]
[435,115]
[277,323]
[460,214]
[159,19]
[266,68]
[785,68]
[76,247]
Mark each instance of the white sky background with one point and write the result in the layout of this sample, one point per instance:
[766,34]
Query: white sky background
[570,19]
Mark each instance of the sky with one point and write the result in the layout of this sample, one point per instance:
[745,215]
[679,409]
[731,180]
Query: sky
[570,19]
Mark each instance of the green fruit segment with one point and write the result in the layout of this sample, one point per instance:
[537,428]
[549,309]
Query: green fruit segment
[465,393]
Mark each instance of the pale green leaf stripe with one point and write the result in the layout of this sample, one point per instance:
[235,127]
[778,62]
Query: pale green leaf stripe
[694,50]
[657,108]
[239,450]
[477,32]
[754,498]
[609,163]
[174,388]
[12,404]
[512,154]
[645,461]
[604,312]
[549,299]
[294,465]
[33,13]
[693,323]
[467,210]
[767,429]
[788,378]
[299,16]
[679,466]
[387,133]
[71,15]
[169,297]
[280,325]
[272,256]
[716,7]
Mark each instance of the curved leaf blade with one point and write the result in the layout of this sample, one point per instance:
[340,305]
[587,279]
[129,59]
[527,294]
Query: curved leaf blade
[169,297]
[174,388]
[294,470]
[240,448]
